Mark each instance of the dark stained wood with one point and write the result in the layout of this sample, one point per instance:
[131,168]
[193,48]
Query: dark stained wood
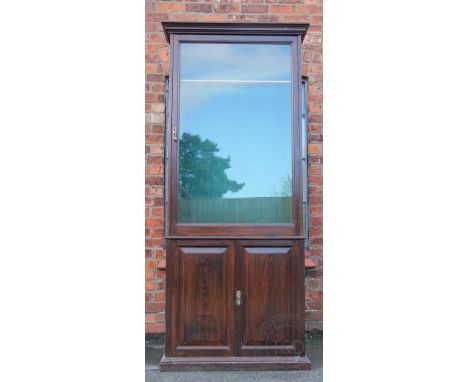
[233,363]
[205,330]
[234,28]
[205,289]
[232,237]
[266,321]
[299,297]
[204,274]
[230,230]
[174,228]
[201,320]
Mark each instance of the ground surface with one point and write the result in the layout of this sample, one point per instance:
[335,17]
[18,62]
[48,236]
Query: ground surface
[155,351]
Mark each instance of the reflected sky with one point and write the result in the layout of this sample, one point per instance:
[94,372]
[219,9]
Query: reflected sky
[250,121]
[235,62]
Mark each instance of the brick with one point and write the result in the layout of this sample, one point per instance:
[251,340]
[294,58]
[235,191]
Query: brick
[150,285]
[155,159]
[161,274]
[183,17]
[313,148]
[150,68]
[164,54]
[157,88]
[154,307]
[197,7]
[161,264]
[284,1]
[155,117]
[309,263]
[255,8]
[160,254]
[314,304]
[313,294]
[313,315]
[282,9]
[169,7]
[317,68]
[212,18]
[156,37]
[313,127]
[315,211]
[312,284]
[156,150]
[160,296]
[316,118]
[297,19]
[316,138]
[154,170]
[157,212]
[149,275]
[241,17]
[152,58]
[154,139]
[308,9]
[227,8]
[315,108]
[149,27]
[315,97]
[267,18]
[155,130]
[155,328]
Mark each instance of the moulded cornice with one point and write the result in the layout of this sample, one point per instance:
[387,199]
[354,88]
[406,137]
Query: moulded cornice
[234,28]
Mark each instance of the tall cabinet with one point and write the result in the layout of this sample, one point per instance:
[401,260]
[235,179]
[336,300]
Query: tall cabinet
[234,215]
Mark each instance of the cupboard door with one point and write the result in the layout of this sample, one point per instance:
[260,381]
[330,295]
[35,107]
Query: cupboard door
[204,284]
[266,319]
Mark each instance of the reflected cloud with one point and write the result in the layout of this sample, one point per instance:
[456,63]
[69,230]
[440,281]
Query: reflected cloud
[235,61]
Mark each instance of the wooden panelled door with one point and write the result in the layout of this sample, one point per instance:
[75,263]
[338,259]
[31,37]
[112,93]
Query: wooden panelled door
[235,298]
[234,205]
[202,300]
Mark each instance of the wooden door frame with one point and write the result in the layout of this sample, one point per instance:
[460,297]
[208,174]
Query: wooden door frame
[174,229]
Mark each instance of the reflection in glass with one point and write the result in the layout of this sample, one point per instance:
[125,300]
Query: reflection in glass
[235,158]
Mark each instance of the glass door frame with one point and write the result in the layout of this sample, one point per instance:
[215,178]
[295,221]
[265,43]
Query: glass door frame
[174,229]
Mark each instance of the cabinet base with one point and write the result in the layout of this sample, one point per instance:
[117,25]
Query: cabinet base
[234,363]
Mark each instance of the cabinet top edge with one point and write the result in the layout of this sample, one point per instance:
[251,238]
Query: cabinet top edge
[233,237]
[235,28]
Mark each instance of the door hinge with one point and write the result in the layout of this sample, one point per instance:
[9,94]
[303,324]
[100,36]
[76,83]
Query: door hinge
[238,298]
[174,134]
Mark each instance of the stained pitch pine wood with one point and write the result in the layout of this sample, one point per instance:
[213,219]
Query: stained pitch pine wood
[207,263]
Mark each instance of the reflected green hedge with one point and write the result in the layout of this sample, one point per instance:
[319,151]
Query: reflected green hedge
[236,210]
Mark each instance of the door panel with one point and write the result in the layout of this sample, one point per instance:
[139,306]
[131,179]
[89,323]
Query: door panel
[266,318]
[205,311]
[202,317]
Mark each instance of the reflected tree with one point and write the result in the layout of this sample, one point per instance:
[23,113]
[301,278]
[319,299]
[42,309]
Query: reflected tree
[285,188]
[202,173]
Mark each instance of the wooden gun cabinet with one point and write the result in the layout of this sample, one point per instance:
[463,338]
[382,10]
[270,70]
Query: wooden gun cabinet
[234,224]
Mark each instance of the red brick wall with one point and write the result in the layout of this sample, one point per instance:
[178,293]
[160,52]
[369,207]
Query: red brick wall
[157,67]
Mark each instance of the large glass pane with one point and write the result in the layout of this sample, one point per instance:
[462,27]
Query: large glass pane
[235,158]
